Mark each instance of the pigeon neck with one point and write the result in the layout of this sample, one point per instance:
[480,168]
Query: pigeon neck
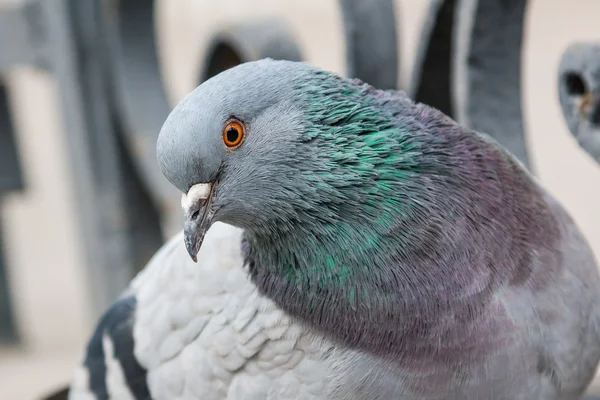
[403,231]
[418,274]
[377,301]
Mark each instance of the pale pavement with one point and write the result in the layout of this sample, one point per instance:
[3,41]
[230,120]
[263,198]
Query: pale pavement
[49,286]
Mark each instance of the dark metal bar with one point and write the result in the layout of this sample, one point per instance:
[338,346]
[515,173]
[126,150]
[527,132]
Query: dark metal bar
[487,70]
[431,80]
[10,180]
[371,41]
[469,66]
[73,37]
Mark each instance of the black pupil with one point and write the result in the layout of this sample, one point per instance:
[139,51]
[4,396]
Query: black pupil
[232,135]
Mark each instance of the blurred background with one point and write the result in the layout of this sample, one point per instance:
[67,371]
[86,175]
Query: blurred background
[85,86]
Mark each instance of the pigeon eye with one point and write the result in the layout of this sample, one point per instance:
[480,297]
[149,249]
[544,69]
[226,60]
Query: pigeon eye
[233,133]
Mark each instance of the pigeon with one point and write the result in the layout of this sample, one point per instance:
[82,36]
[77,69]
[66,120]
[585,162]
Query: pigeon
[579,94]
[351,244]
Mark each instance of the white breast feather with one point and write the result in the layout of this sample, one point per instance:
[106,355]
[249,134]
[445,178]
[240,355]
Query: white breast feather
[203,332]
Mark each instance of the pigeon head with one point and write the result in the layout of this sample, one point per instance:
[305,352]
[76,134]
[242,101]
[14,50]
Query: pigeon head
[227,143]
[271,145]
[579,94]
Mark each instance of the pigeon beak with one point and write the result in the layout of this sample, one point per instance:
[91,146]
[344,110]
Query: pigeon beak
[198,216]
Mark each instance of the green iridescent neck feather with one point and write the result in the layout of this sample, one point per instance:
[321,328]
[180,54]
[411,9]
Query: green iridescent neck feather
[387,203]
[357,181]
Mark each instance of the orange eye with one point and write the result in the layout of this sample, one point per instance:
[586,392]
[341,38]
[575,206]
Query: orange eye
[233,133]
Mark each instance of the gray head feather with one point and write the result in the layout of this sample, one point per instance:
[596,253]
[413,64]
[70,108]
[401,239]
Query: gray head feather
[190,146]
